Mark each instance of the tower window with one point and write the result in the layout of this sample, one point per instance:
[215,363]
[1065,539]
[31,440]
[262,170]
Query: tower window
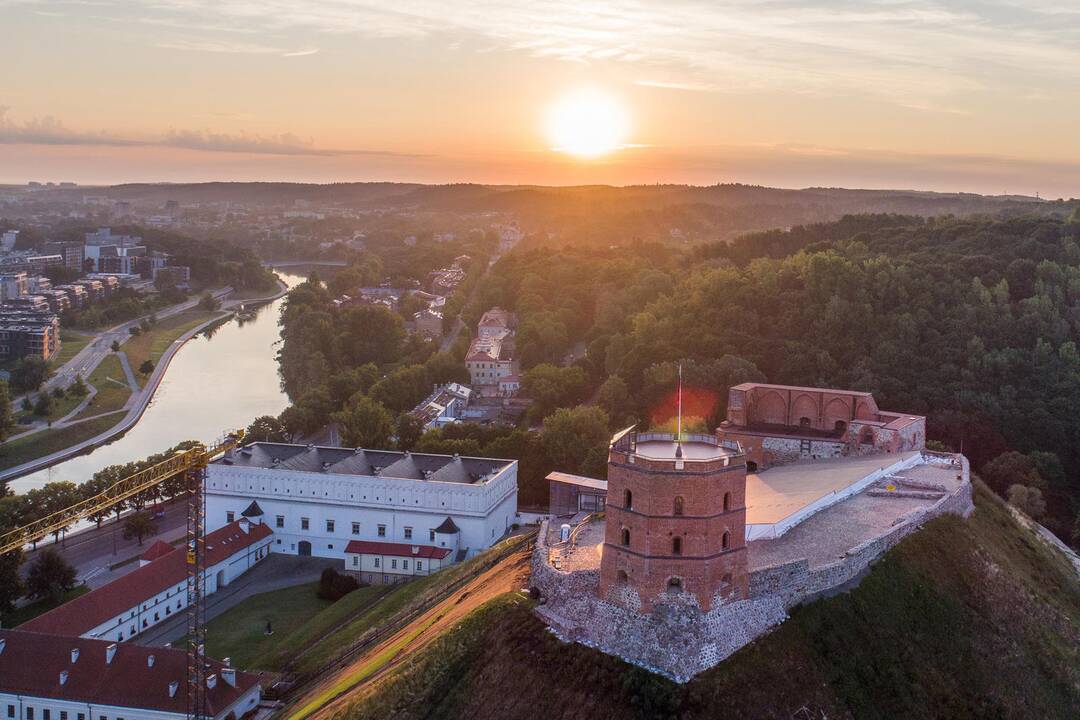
[675,584]
[678,505]
[623,577]
[727,501]
[676,546]
[725,541]
[628,500]
[626,537]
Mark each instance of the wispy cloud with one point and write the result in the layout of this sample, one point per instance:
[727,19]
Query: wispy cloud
[51,131]
[917,53]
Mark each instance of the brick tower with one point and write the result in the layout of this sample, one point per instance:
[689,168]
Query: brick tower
[675,521]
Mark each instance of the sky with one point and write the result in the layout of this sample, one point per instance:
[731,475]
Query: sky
[967,95]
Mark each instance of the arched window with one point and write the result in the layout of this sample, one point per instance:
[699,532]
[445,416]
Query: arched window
[840,427]
[676,546]
[628,500]
[804,422]
[677,510]
[622,577]
[674,584]
[626,537]
[727,501]
[725,541]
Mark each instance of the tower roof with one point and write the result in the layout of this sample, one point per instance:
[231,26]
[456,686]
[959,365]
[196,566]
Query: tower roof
[253,510]
[447,527]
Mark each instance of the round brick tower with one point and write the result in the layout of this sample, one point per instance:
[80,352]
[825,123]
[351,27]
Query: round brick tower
[675,521]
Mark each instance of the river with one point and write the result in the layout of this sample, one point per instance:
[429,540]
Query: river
[213,385]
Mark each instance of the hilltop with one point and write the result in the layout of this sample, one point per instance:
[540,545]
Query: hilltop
[966,618]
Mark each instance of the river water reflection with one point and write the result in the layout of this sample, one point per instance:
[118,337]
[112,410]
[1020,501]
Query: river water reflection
[214,384]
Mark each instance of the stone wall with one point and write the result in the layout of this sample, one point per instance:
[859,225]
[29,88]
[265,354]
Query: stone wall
[677,639]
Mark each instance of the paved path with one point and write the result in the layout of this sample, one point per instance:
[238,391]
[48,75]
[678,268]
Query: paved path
[273,573]
[131,381]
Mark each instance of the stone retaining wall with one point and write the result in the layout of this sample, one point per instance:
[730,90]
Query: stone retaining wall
[679,641]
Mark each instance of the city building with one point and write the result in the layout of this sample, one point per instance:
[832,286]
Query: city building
[572,494]
[109,283]
[77,296]
[38,285]
[490,360]
[382,563]
[25,333]
[778,424]
[445,405]
[317,499]
[95,289]
[55,677]
[176,274]
[156,591]
[8,240]
[428,323]
[71,252]
[13,285]
[58,300]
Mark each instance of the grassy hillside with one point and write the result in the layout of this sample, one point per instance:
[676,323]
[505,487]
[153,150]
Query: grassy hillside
[966,619]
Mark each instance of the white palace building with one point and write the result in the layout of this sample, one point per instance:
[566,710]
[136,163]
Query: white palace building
[318,500]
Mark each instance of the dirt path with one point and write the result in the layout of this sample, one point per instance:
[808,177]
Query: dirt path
[345,685]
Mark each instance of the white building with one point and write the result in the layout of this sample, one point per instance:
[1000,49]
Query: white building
[52,677]
[157,590]
[444,406]
[7,240]
[382,563]
[317,499]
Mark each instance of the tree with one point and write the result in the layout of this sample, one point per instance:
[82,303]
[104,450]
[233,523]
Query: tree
[614,397]
[1028,499]
[1011,468]
[43,405]
[208,302]
[29,373]
[11,583]
[409,430]
[50,576]
[27,404]
[550,387]
[576,439]
[139,525]
[7,421]
[78,388]
[146,367]
[266,428]
[58,392]
[135,330]
[55,497]
[365,423]
[115,346]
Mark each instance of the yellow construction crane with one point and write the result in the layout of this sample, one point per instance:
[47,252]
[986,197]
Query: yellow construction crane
[183,461]
[192,465]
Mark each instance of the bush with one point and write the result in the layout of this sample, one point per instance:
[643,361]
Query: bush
[334,585]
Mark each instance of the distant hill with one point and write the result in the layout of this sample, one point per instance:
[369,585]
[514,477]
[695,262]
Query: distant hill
[964,619]
[593,214]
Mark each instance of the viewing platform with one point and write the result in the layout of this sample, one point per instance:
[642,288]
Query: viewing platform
[676,451]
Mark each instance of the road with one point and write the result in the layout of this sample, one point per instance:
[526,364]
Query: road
[451,337]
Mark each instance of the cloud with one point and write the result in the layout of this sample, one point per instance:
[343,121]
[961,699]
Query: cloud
[51,131]
[917,53]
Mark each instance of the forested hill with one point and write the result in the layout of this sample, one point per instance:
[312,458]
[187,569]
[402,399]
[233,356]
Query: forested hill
[972,618]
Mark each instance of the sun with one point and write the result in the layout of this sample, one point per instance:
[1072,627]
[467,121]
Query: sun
[587,123]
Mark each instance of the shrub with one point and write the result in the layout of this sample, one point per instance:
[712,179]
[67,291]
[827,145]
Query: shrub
[334,585]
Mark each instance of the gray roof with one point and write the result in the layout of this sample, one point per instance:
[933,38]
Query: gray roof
[349,461]
[253,510]
[447,527]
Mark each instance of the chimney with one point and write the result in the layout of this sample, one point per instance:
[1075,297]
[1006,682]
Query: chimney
[149,661]
[211,681]
[74,655]
[229,676]
[110,653]
[173,687]
[63,676]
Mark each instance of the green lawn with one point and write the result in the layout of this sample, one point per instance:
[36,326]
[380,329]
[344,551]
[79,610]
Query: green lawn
[60,408]
[46,442]
[151,345]
[31,611]
[111,395]
[298,616]
[70,344]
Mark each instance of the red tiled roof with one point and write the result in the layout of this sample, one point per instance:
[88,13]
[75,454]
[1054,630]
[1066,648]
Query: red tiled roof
[31,663]
[158,549]
[86,612]
[369,547]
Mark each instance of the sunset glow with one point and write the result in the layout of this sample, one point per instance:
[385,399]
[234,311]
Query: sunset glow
[588,124]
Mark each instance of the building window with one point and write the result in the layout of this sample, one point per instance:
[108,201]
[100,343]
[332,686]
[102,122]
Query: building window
[382,531]
[11,711]
[329,526]
[356,528]
[676,546]
[63,715]
[725,541]
[29,713]
[408,533]
[279,521]
[156,618]
[419,565]
[431,535]
[626,537]
[230,516]
[393,564]
[678,505]
[727,501]
[628,500]
[376,562]
[304,523]
[355,560]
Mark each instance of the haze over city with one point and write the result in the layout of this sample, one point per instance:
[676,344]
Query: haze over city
[976,96]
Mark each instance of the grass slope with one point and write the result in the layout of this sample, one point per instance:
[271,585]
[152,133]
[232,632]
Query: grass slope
[152,345]
[110,382]
[965,619]
[46,442]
